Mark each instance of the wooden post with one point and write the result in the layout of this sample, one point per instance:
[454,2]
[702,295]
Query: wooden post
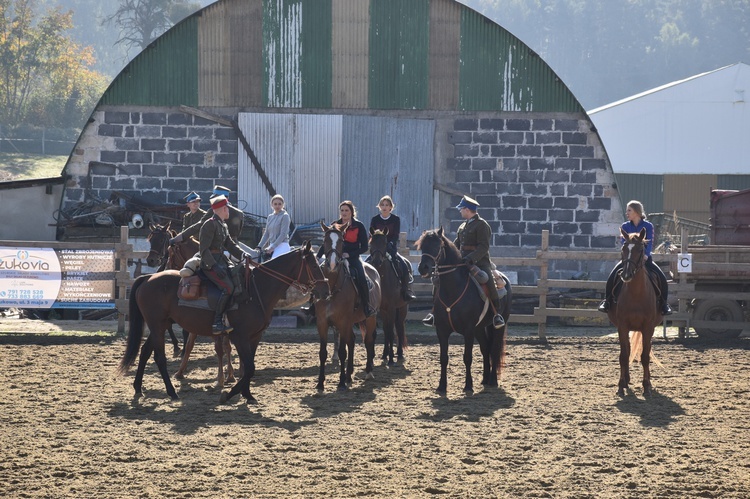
[544,284]
[122,276]
[403,247]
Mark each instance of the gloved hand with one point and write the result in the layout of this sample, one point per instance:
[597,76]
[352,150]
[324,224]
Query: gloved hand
[468,261]
[390,248]
[219,271]
[176,239]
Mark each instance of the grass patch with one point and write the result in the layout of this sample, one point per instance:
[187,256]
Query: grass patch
[21,166]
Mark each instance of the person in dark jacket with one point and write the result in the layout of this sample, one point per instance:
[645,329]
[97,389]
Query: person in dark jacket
[355,244]
[235,222]
[387,220]
[637,221]
[195,213]
[214,238]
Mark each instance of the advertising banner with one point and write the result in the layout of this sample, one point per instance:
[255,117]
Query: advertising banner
[57,278]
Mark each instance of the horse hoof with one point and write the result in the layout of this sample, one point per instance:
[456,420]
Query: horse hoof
[224,397]
[468,390]
[252,401]
[370,376]
[174,398]
[621,392]
[176,353]
[441,391]
[392,363]
[179,376]
[343,388]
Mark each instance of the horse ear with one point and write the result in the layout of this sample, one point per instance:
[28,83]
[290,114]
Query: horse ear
[624,234]
[306,246]
[372,231]
[323,226]
[642,234]
[385,231]
[151,227]
[168,225]
[440,231]
[344,227]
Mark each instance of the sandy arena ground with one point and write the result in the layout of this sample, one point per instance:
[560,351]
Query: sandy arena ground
[71,427]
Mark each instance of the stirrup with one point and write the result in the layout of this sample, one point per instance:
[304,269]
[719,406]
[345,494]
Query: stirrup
[498,321]
[604,306]
[429,320]
[666,309]
[220,328]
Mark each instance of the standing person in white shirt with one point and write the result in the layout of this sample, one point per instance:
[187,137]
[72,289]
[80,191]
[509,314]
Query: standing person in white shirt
[275,240]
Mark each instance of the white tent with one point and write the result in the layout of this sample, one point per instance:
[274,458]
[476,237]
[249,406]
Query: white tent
[699,125]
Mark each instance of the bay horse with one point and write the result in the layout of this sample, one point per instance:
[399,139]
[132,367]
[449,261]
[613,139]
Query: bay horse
[153,300]
[636,309]
[173,258]
[458,306]
[393,307]
[343,309]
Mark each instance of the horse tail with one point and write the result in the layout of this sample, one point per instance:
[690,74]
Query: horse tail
[636,349]
[135,330]
[501,335]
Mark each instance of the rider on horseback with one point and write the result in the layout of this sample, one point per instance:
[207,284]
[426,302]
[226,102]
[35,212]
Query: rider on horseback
[390,221]
[214,238]
[195,214]
[235,221]
[636,222]
[473,240]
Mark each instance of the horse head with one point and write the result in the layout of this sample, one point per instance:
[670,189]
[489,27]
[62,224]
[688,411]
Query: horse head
[378,245]
[633,254]
[333,244]
[314,278]
[158,238]
[437,250]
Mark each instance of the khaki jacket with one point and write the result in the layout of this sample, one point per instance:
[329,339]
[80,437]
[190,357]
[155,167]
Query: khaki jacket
[190,219]
[473,239]
[214,239]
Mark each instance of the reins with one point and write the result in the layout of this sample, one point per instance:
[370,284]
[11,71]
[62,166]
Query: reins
[437,272]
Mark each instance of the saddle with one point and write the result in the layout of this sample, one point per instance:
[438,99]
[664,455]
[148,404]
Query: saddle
[198,291]
[655,282]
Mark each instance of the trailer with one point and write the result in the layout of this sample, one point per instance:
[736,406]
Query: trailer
[712,281]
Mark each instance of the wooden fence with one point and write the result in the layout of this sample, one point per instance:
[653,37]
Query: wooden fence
[544,288]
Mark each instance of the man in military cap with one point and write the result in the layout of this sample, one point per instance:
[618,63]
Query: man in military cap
[214,239]
[235,222]
[473,240]
[193,202]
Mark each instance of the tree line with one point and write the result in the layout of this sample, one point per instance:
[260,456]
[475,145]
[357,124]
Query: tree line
[58,56]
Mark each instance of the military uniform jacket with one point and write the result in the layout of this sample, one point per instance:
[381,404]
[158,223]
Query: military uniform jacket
[214,239]
[190,219]
[473,239]
[235,222]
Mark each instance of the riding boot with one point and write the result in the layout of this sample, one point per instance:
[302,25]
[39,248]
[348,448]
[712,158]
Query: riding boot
[497,321]
[218,326]
[406,292]
[604,305]
[364,294]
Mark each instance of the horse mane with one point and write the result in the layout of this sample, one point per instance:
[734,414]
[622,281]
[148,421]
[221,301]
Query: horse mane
[452,255]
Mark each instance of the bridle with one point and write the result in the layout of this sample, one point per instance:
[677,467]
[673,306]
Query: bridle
[636,264]
[438,269]
[296,282]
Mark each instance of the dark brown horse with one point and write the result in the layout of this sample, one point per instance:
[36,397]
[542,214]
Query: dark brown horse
[393,308]
[174,258]
[158,256]
[636,310]
[458,306]
[153,300]
[342,310]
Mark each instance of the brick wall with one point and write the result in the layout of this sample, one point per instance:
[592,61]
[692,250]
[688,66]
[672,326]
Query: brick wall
[157,156]
[530,174]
